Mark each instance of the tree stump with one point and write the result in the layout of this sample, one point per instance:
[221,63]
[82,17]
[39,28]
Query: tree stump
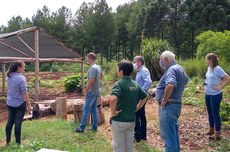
[78,112]
[101,117]
[61,110]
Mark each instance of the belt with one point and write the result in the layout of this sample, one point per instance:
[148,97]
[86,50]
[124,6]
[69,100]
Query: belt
[172,101]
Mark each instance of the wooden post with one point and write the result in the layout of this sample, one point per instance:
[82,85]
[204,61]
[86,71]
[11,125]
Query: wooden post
[82,78]
[36,48]
[3,78]
[61,110]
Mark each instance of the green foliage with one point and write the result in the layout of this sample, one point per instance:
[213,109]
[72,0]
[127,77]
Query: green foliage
[2,98]
[194,68]
[95,27]
[73,82]
[42,83]
[225,111]
[151,51]
[215,42]
[51,134]
[109,70]
[190,95]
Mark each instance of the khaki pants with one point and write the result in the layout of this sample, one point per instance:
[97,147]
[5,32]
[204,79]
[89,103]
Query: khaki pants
[122,136]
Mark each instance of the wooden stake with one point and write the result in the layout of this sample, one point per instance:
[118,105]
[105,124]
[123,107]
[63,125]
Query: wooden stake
[36,48]
[61,110]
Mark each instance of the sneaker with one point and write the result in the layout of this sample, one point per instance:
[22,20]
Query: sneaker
[78,130]
[94,130]
[136,140]
[143,138]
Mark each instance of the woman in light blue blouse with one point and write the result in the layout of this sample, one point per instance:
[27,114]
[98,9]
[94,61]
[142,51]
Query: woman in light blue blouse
[17,100]
[216,80]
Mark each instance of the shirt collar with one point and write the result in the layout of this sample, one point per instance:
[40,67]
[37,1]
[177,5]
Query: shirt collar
[126,77]
[171,64]
[140,68]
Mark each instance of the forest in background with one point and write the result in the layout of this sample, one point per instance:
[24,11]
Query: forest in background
[119,35]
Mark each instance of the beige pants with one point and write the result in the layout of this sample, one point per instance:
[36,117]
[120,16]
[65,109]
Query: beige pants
[122,136]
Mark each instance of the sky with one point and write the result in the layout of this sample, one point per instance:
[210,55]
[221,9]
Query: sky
[27,8]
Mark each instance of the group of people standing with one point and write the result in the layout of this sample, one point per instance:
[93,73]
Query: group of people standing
[128,99]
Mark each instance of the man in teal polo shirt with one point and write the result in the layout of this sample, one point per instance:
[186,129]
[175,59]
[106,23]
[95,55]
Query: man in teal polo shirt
[124,102]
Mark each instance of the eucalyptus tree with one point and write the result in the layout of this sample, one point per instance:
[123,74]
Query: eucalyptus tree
[14,24]
[62,22]
[43,19]
[81,20]
[101,28]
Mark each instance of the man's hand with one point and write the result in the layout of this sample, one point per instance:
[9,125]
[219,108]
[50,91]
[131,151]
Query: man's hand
[116,113]
[28,109]
[163,103]
[86,93]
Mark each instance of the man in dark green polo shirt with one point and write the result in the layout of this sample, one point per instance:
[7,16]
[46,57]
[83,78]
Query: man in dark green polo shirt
[124,102]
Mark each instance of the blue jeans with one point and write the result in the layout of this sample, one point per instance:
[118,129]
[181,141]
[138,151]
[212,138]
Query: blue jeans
[15,117]
[90,106]
[213,108]
[140,124]
[168,119]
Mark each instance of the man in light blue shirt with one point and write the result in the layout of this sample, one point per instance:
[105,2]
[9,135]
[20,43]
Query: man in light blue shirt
[169,95]
[143,79]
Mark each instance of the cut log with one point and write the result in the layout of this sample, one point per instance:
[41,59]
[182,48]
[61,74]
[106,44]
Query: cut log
[78,109]
[61,110]
[41,110]
[104,100]
[69,107]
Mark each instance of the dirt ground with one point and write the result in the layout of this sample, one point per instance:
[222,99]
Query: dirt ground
[193,124]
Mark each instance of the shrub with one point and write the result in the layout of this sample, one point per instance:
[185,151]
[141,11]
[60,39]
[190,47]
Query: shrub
[152,48]
[45,66]
[109,70]
[73,82]
[225,111]
[194,68]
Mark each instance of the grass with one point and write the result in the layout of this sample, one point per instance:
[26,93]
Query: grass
[58,135]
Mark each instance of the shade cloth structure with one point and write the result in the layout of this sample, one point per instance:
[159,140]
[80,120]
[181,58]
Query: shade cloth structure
[35,45]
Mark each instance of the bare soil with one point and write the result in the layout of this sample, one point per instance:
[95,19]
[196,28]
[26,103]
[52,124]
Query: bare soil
[193,124]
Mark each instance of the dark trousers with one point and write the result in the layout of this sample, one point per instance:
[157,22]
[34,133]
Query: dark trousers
[140,124]
[15,117]
[213,108]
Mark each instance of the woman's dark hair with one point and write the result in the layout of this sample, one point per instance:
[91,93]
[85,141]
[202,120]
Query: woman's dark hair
[14,67]
[214,58]
[126,66]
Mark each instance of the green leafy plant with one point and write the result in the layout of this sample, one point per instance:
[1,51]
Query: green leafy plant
[73,82]
[225,111]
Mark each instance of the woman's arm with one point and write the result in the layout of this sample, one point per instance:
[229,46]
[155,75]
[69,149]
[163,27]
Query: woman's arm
[27,99]
[226,81]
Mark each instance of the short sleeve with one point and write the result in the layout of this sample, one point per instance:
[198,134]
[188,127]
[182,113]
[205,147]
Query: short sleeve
[92,73]
[22,85]
[116,90]
[142,93]
[170,77]
[220,72]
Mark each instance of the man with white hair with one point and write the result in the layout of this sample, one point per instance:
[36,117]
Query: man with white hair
[169,95]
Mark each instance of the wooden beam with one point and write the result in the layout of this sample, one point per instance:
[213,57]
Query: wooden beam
[10,59]
[36,48]
[17,50]
[25,44]
[82,78]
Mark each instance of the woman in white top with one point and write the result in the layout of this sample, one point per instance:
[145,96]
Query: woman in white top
[216,80]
